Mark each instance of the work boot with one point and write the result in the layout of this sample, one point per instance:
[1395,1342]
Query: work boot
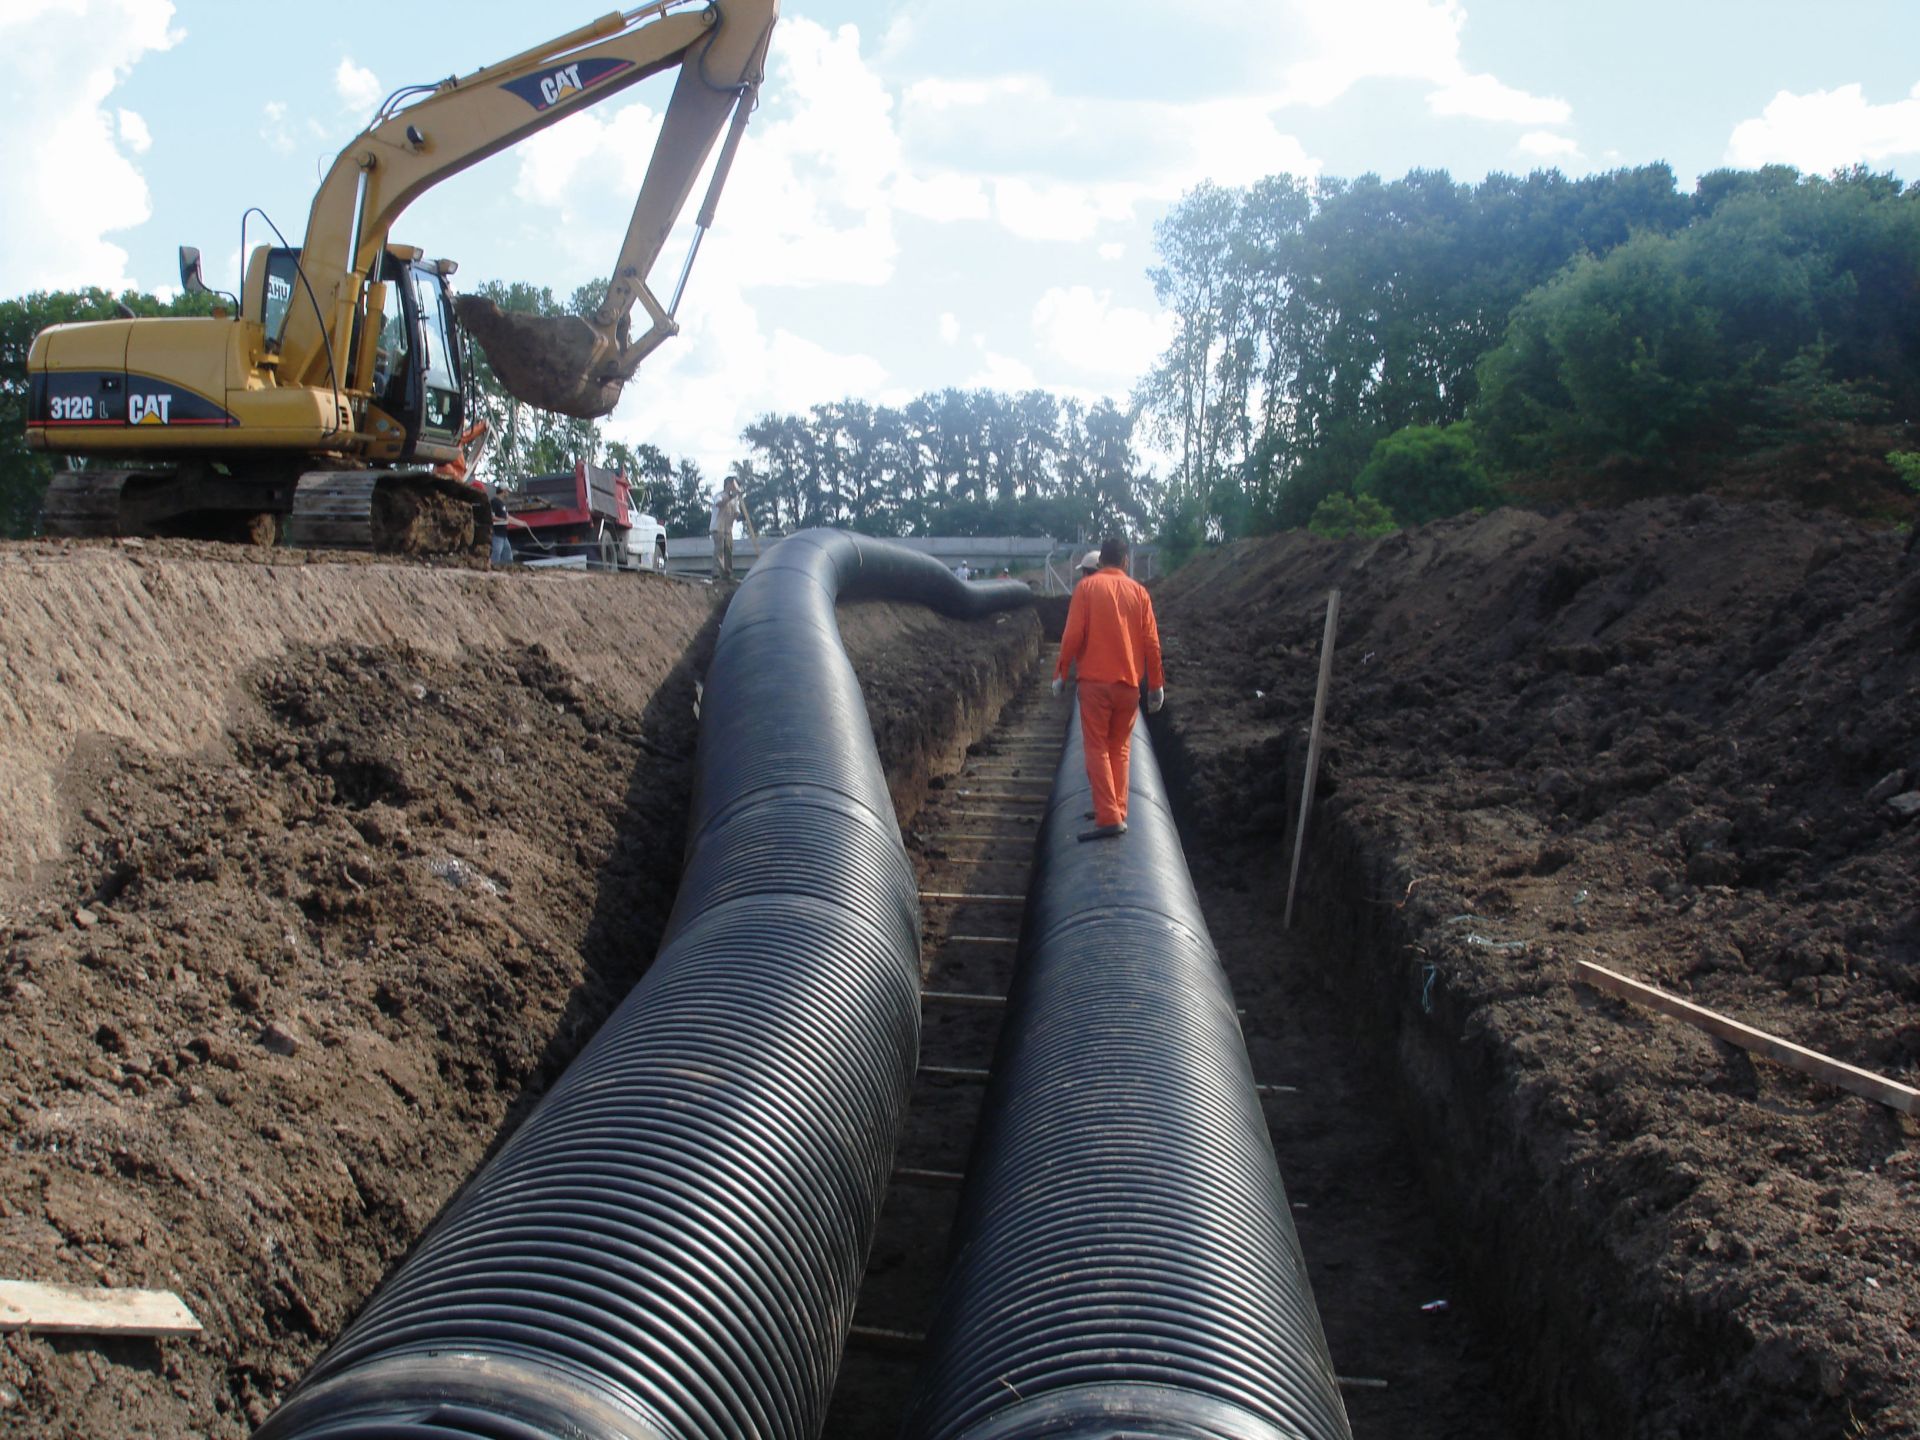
[1104,832]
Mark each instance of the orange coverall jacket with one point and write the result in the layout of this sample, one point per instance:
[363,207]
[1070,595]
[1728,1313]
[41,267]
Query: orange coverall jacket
[1111,632]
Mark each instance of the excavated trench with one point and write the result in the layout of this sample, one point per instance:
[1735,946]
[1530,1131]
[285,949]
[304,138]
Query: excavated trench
[335,866]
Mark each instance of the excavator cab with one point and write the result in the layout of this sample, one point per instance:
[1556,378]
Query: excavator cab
[412,369]
[416,367]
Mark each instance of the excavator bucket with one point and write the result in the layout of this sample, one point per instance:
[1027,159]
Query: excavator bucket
[556,362]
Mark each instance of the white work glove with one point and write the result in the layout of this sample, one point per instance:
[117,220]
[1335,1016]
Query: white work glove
[1155,699]
[1059,687]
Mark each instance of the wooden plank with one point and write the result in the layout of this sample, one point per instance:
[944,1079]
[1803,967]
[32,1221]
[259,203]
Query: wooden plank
[961,997]
[929,1179]
[978,939]
[954,897]
[89,1310]
[881,1337]
[955,1072]
[1811,1062]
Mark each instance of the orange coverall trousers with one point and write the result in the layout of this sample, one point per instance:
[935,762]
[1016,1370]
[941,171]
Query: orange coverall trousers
[1107,711]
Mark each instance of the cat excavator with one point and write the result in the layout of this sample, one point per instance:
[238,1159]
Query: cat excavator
[325,404]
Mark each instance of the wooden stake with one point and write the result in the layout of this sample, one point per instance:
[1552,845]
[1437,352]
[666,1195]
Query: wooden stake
[1811,1062]
[1313,748]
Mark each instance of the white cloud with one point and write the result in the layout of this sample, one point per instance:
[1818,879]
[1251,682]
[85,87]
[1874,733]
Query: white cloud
[724,371]
[1055,211]
[133,132]
[943,198]
[1110,344]
[1350,41]
[1105,158]
[72,172]
[1346,43]
[1112,250]
[811,197]
[1545,145]
[1000,372]
[1827,130]
[273,127]
[949,328]
[358,87]
[1481,97]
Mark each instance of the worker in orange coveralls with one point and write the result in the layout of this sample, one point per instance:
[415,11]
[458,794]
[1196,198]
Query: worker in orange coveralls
[1111,634]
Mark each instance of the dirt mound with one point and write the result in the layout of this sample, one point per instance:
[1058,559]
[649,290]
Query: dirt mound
[1681,740]
[344,863]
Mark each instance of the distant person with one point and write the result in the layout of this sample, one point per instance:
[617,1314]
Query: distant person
[500,548]
[1089,565]
[660,552]
[962,572]
[726,510]
[1112,636]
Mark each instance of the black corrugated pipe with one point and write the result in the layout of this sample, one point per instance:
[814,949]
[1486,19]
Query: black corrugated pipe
[669,1247]
[1125,1261]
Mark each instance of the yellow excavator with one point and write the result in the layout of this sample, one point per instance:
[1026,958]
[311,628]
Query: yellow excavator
[327,402]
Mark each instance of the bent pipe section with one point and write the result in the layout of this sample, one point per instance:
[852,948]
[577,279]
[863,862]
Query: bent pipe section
[670,1245]
[1125,1261]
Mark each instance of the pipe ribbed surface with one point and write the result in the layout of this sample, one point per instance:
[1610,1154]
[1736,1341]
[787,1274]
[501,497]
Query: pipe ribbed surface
[1125,1261]
[670,1245]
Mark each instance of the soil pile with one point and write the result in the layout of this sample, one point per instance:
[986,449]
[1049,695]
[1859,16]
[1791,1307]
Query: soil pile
[1681,740]
[339,866]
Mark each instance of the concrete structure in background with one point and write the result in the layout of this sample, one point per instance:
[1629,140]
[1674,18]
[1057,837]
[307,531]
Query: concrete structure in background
[1047,564]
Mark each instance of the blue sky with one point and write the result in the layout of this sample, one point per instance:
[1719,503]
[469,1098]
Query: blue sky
[933,193]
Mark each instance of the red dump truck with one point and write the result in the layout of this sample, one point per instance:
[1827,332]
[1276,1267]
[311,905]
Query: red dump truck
[583,516]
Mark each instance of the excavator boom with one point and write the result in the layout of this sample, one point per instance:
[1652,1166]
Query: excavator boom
[575,366]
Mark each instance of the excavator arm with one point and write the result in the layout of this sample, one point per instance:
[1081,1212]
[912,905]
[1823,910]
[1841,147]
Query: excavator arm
[424,135]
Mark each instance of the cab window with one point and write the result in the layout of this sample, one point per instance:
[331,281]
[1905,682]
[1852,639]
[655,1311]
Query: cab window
[390,354]
[283,273]
[439,367]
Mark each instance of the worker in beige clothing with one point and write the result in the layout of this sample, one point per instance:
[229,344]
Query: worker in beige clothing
[726,511]
[1112,637]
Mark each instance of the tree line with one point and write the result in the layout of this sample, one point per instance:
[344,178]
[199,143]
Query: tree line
[1352,355]
[1401,350]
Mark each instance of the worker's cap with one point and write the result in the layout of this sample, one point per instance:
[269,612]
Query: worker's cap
[1090,561]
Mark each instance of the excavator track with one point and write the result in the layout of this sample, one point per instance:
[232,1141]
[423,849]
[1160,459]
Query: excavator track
[82,503]
[189,501]
[403,513]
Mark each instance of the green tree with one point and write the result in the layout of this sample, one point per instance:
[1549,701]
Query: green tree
[1341,515]
[1779,329]
[690,512]
[1312,323]
[1427,472]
